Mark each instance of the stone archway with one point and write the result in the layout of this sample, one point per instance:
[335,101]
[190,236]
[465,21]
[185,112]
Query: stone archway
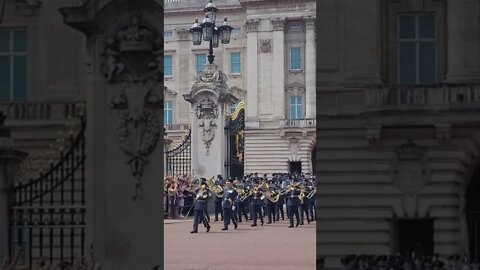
[472,210]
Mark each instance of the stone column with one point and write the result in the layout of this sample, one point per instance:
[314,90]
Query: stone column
[252,74]
[208,96]
[463,39]
[124,155]
[278,67]
[9,161]
[310,107]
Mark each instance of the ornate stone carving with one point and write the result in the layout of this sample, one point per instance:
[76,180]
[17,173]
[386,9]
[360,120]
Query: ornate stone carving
[132,61]
[278,24]
[410,171]
[183,34]
[252,25]
[373,134]
[294,147]
[266,45]
[309,23]
[443,132]
[206,109]
[209,78]
[27,7]
[208,133]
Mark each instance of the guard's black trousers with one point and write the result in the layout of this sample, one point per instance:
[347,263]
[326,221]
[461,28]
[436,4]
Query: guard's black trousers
[241,210]
[199,217]
[257,213]
[304,211]
[218,210]
[271,212]
[279,208]
[293,210]
[227,216]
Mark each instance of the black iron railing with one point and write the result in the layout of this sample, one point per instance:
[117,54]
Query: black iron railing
[47,214]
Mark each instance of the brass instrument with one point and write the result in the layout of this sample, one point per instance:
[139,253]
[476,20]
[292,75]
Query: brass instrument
[216,189]
[202,193]
[271,198]
[246,195]
[312,193]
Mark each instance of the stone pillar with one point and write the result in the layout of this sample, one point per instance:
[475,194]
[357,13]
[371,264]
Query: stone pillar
[310,107]
[124,159]
[251,109]
[463,38]
[278,67]
[208,96]
[9,161]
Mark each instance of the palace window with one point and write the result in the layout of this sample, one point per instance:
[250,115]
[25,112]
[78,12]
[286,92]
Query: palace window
[416,49]
[13,64]
[168,34]
[235,65]
[168,65]
[296,58]
[296,107]
[200,61]
[168,112]
[235,32]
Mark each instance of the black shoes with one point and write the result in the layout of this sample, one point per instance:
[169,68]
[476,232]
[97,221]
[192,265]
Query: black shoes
[253,225]
[291,226]
[269,222]
[236,226]
[193,232]
[208,228]
[224,229]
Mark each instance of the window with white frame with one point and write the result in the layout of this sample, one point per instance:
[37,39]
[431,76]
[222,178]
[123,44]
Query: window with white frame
[168,112]
[296,107]
[168,65]
[236,32]
[235,63]
[416,49]
[296,58]
[168,34]
[200,61]
[13,64]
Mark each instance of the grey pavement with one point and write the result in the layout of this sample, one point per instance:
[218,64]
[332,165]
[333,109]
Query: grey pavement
[268,247]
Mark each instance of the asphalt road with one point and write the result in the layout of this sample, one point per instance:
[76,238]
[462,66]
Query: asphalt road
[268,247]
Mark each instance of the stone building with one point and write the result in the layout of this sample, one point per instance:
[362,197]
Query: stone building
[270,66]
[398,127]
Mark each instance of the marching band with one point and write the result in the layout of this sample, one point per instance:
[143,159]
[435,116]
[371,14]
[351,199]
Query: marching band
[254,198]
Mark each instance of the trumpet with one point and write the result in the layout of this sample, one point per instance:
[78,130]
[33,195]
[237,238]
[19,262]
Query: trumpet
[246,195]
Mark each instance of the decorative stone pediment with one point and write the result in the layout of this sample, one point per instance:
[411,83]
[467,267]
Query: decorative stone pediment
[265,45]
[309,23]
[411,171]
[252,25]
[237,91]
[26,7]
[169,93]
[278,24]
[183,34]
[295,88]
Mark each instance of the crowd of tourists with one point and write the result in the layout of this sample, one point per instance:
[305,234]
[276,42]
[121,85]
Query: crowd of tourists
[411,261]
[252,197]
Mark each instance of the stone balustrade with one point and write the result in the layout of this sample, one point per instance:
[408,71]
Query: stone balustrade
[436,97]
[177,127]
[40,110]
[299,123]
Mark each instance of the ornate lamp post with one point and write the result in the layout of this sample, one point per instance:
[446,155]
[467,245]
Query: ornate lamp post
[209,32]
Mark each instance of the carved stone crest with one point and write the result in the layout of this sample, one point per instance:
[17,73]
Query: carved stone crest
[411,171]
[208,133]
[294,147]
[132,62]
[266,45]
[206,109]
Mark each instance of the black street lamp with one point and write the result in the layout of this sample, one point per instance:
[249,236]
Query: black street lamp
[209,32]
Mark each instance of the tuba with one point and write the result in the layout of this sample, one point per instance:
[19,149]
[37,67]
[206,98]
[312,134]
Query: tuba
[216,189]
[202,193]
